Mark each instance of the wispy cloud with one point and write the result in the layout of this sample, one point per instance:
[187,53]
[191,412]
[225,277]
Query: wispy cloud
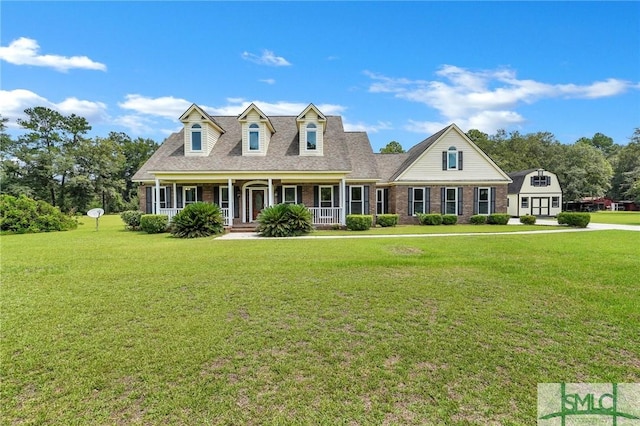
[235,106]
[165,106]
[366,127]
[25,51]
[486,99]
[268,81]
[266,58]
[14,102]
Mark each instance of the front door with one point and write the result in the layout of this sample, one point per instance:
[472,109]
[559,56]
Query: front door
[540,206]
[257,201]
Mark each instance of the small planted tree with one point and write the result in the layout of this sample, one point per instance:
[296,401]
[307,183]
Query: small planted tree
[198,220]
[285,220]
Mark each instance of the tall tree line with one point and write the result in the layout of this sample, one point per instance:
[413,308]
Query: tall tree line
[55,161]
[590,167]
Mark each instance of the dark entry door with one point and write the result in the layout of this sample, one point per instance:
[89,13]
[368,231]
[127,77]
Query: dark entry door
[257,202]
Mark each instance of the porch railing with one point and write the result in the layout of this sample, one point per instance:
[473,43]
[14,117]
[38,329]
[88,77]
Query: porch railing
[326,215]
[171,212]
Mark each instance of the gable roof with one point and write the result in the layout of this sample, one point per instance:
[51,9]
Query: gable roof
[321,116]
[205,116]
[263,116]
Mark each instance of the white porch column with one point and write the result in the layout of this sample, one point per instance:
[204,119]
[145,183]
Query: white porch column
[175,196]
[343,212]
[270,192]
[156,205]
[231,201]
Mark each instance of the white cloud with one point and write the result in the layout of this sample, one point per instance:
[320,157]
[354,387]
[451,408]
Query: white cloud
[364,127]
[24,51]
[14,102]
[268,81]
[266,58]
[486,100]
[236,106]
[165,106]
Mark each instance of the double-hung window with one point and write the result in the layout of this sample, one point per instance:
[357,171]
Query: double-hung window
[555,202]
[254,137]
[356,199]
[311,136]
[380,201]
[290,195]
[484,201]
[418,201]
[524,203]
[196,137]
[451,201]
[223,200]
[190,195]
[452,159]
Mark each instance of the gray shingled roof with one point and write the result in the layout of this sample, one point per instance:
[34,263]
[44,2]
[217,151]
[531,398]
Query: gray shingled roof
[518,180]
[343,151]
[415,152]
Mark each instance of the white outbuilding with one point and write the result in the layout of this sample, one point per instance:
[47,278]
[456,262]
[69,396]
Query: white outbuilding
[534,192]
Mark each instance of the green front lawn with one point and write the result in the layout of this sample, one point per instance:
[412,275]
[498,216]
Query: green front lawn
[114,327]
[622,218]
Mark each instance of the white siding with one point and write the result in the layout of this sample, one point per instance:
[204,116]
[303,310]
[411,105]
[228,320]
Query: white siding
[475,166]
[265,134]
[311,117]
[538,192]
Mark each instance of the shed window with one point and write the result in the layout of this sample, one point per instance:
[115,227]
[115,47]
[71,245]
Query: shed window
[524,203]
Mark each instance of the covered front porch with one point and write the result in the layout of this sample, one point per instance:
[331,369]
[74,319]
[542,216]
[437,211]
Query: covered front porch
[241,200]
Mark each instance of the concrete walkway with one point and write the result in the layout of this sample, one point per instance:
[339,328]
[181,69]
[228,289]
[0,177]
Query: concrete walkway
[514,222]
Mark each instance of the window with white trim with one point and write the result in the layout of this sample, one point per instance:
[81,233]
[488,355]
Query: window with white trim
[165,198]
[254,137]
[326,196]
[540,180]
[223,197]
[451,201]
[356,199]
[380,201]
[190,195]
[452,158]
[555,202]
[418,201]
[524,203]
[484,201]
[311,136]
[289,195]
[196,137]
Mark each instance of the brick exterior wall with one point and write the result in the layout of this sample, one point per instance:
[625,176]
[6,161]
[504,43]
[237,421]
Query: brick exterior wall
[398,199]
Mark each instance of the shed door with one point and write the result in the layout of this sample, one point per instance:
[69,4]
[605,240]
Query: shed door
[540,206]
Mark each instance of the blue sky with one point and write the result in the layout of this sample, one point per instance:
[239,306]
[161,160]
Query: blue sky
[398,70]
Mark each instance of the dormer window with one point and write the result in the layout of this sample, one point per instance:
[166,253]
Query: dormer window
[196,137]
[311,136]
[254,137]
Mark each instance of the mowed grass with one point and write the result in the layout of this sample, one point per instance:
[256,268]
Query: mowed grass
[113,327]
[621,218]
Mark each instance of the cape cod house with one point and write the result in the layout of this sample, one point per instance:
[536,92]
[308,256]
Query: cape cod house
[248,162]
[534,192]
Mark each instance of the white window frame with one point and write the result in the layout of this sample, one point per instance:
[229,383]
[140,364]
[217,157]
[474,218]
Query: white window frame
[452,158]
[380,201]
[320,201]
[524,203]
[199,131]
[284,194]
[418,190]
[311,129]
[253,128]
[184,195]
[555,202]
[224,204]
[163,191]
[360,201]
[447,201]
[487,201]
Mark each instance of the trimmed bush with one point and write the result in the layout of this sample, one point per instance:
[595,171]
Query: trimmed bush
[387,220]
[131,219]
[498,219]
[478,219]
[578,220]
[25,215]
[198,220]
[285,220]
[528,219]
[359,222]
[430,219]
[449,219]
[154,223]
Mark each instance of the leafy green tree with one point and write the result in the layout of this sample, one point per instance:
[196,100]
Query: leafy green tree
[392,147]
[136,152]
[626,177]
[602,143]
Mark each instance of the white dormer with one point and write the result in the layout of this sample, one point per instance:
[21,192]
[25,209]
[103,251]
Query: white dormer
[201,132]
[311,126]
[256,131]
